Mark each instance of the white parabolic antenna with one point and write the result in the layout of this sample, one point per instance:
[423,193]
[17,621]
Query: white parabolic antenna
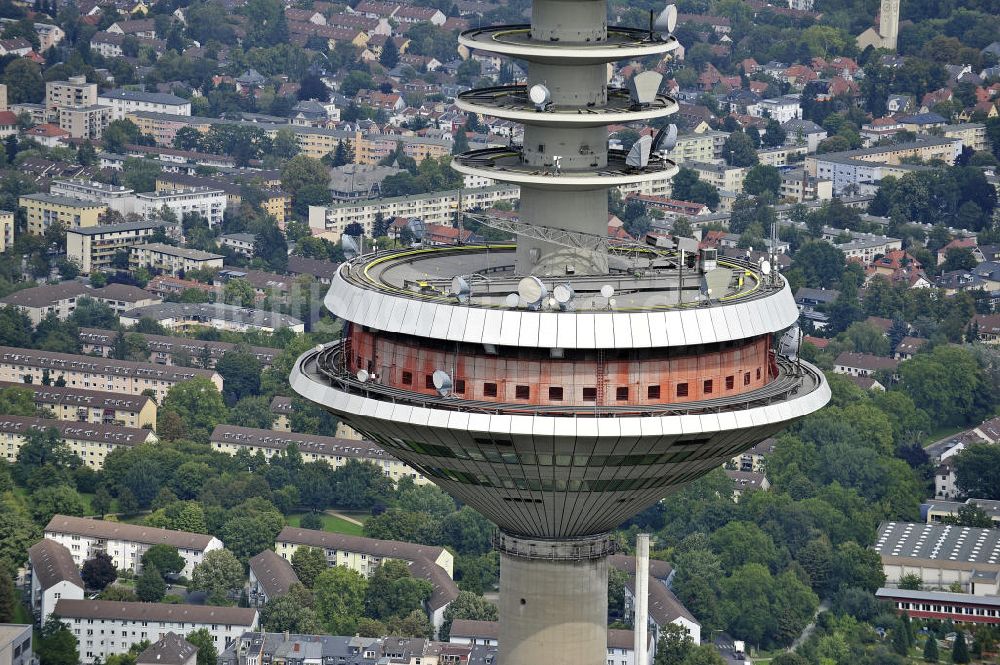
[442,382]
[512,300]
[667,20]
[460,288]
[531,290]
[607,291]
[765,267]
[638,156]
[539,94]
[563,293]
[363,375]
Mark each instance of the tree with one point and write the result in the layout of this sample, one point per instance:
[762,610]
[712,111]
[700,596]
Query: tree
[23,78]
[8,598]
[341,598]
[960,650]
[56,500]
[393,592]
[308,563]
[774,134]
[738,150]
[311,521]
[220,574]
[293,612]
[822,264]
[270,246]
[164,558]
[99,572]
[948,384]
[202,639]
[761,180]
[44,458]
[305,177]
[789,658]
[312,87]
[240,370]
[467,606]
[17,534]
[56,644]
[674,645]
[704,654]
[911,582]
[150,586]
[931,649]
[198,404]
[390,54]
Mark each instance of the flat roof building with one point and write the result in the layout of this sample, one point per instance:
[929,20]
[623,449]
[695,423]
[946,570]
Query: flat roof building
[115,197]
[126,543]
[15,644]
[160,257]
[939,554]
[93,249]
[129,101]
[182,316]
[43,210]
[207,202]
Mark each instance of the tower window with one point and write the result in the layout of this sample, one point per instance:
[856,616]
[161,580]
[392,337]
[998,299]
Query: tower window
[746,378]
[522,392]
[682,389]
[555,393]
[653,392]
[708,387]
[590,394]
[758,373]
[730,382]
[460,386]
[621,394]
[407,378]
[490,389]
[429,381]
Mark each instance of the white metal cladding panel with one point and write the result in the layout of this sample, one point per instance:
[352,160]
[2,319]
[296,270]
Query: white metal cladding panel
[372,302]
[491,326]
[675,328]
[442,317]
[548,329]
[623,332]
[522,425]
[566,336]
[658,335]
[425,318]
[719,323]
[705,326]
[456,327]
[735,318]
[692,333]
[384,312]
[727,420]
[458,420]
[585,336]
[408,325]
[398,313]
[474,325]
[640,323]
[529,329]
[510,328]
[437,418]
[479,422]
[604,331]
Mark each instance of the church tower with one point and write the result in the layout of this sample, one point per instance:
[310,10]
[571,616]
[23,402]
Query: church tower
[888,26]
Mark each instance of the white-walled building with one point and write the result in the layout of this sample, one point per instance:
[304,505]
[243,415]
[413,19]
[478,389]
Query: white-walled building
[781,109]
[53,575]
[271,576]
[126,543]
[114,197]
[128,101]
[208,202]
[105,627]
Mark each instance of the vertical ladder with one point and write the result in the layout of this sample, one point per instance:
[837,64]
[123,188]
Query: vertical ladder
[600,378]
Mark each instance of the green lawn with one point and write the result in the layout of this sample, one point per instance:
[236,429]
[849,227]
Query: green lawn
[330,523]
[942,432]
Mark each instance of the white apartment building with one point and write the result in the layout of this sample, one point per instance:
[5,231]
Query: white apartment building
[128,101]
[182,316]
[74,92]
[93,248]
[432,208]
[115,197]
[160,257]
[52,575]
[270,577]
[231,439]
[121,376]
[91,442]
[61,299]
[781,109]
[104,627]
[126,543]
[205,201]
[720,176]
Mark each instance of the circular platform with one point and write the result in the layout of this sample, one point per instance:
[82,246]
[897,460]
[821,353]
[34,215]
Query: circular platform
[512,103]
[516,41]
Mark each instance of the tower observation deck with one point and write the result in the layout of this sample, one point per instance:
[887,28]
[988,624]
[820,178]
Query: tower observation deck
[561,384]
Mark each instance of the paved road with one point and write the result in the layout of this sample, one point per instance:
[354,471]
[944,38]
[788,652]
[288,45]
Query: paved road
[724,645]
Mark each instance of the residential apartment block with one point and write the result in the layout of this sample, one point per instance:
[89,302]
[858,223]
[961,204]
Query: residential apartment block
[6,230]
[15,644]
[61,299]
[103,628]
[271,577]
[159,257]
[183,316]
[971,134]
[93,248]
[720,176]
[89,441]
[115,197]
[52,574]
[43,210]
[119,376]
[164,350]
[364,555]
[73,92]
[85,122]
[432,208]
[231,439]
[124,102]
[91,406]
[207,202]
[126,543]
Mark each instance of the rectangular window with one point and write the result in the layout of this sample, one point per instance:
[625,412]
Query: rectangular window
[621,394]
[653,392]
[490,389]
[590,394]
[708,387]
[555,393]
[522,392]
[682,390]
[746,378]
[429,381]
[730,382]
[407,378]
[758,373]
[460,386]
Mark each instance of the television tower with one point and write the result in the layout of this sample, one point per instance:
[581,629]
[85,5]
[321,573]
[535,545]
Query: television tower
[563,383]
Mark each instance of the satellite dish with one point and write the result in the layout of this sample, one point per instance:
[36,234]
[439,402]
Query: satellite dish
[788,346]
[638,156]
[643,87]
[531,290]
[460,289]
[363,376]
[552,303]
[670,142]
[612,303]
[667,20]
[512,300]
[607,291]
[765,267]
[539,96]
[563,293]
[442,382]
